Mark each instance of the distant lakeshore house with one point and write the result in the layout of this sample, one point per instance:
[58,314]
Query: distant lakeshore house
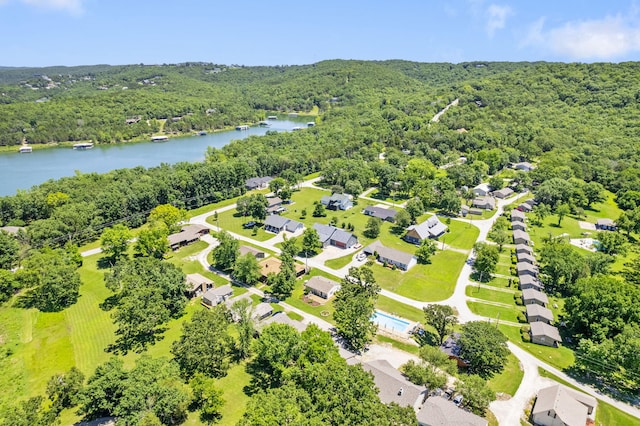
[544,334]
[337,202]
[330,235]
[606,225]
[560,405]
[381,213]
[503,193]
[430,228]
[481,190]
[197,284]
[322,287]
[188,235]
[258,182]
[214,296]
[391,256]
[485,203]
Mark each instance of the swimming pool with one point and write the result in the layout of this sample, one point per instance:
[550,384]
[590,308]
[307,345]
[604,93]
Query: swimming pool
[388,322]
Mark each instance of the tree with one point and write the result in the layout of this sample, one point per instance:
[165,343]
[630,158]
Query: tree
[224,256]
[442,318]
[415,208]
[629,221]
[257,207]
[318,210]
[277,184]
[476,394]
[426,250]
[432,369]
[64,389]
[247,269]
[104,389]
[612,242]
[289,246]
[500,237]
[540,212]
[496,183]
[561,211]
[114,241]
[8,285]
[167,215]
[594,192]
[486,261]
[484,347]
[354,305]
[310,242]
[242,311]
[152,242]
[285,280]
[31,412]
[9,250]
[372,230]
[450,203]
[207,397]
[354,188]
[403,219]
[205,345]
[52,275]
[554,191]
[561,264]
[286,405]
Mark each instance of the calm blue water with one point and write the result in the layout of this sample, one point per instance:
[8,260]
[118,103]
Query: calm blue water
[22,171]
[388,322]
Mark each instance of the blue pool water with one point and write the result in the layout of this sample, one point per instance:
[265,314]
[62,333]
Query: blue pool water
[389,323]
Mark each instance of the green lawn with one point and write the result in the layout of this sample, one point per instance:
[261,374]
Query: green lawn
[561,357]
[339,262]
[296,301]
[460,235]
[401,310]
[385,340]
[606,414]
[491,295]
[235,399]
[491,311]
[501,283]
[509,380]
[427,283]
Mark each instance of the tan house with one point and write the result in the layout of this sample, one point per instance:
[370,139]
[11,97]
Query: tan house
[197,284]
[258,254]
[534,297]
[559,405]
[322,287]
[544,334]
[188,235]
[537,313]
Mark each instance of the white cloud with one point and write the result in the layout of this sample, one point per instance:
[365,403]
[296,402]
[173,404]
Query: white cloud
[602,39]
[497,18]
[72,6]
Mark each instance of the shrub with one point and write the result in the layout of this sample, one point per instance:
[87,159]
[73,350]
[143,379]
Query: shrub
[518,300]
[522,317]
[525,329]
[512,270]
[526,338]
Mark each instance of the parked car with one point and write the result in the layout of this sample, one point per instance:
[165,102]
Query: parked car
[249,225]
[361,256]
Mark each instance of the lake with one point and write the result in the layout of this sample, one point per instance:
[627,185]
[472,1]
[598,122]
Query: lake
[22,171]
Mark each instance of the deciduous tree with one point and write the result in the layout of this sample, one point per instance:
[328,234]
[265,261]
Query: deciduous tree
[442,318]
[247,269]
[224,256]
[114,241]
[484,347]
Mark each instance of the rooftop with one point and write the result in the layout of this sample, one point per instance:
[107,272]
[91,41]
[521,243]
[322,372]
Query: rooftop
[392,385]
[321,284]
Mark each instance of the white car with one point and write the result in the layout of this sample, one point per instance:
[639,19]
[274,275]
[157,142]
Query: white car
[361,256]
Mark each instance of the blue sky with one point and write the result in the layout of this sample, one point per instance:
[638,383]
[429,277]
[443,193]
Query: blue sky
[75,32]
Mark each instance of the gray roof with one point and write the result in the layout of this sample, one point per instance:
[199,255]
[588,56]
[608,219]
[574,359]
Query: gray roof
[389,253]
[518,234]
[484,201]
[262,309]
[380,212]
[523,164]
[392,385]
[258,181]
[220,291]
[321,284]
[324,231]
[539,311]
[283,318]
[532,294]
[525,256]
[276,221]
[482,187]
[292,225]
[194,281]
[438,411]
[431,227]
[450,346]
[605,222]
[248,249]
[341,236]
[523,247]
[504,192]
[188,233]
[526,267]
[518,226]
[540,328]
[273,201]
[570,406]
[529,279]
[517,214]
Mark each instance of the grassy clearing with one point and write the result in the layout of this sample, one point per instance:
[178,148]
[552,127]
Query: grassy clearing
[427,283]
[401,310]
[490,295]
[407,347]
[509,380]
[460,235]
[494,312]
[339,262]
[606,414]
[234,396]
[560,358]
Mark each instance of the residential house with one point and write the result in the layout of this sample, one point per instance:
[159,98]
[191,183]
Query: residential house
[481,190]
[274,206]
[438,411]
[539,313]
[258,182]
[330,235]
[526,257]
[503,193]
[524,166]
[524,248]
[475,212]
[381,213]
[544,334]
[430,228]
[534,297]
[525,207]
[197,284]
[517,216]
[322,287]
[525,268]
[277,224]
[451,348]
[189,234]
[521,237]
[272,265]
[337,202]
[606,225]
[258,254]
[282,318]
[217,295]
[391,256]
[485,203]
[559,405]
[262,311]
[518,226]
[393,386]
[529,281]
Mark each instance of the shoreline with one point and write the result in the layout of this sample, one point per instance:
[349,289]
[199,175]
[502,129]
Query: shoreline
[10,149]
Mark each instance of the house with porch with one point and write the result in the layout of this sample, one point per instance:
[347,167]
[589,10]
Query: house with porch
[322,287]
[277,224]
[430,228]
